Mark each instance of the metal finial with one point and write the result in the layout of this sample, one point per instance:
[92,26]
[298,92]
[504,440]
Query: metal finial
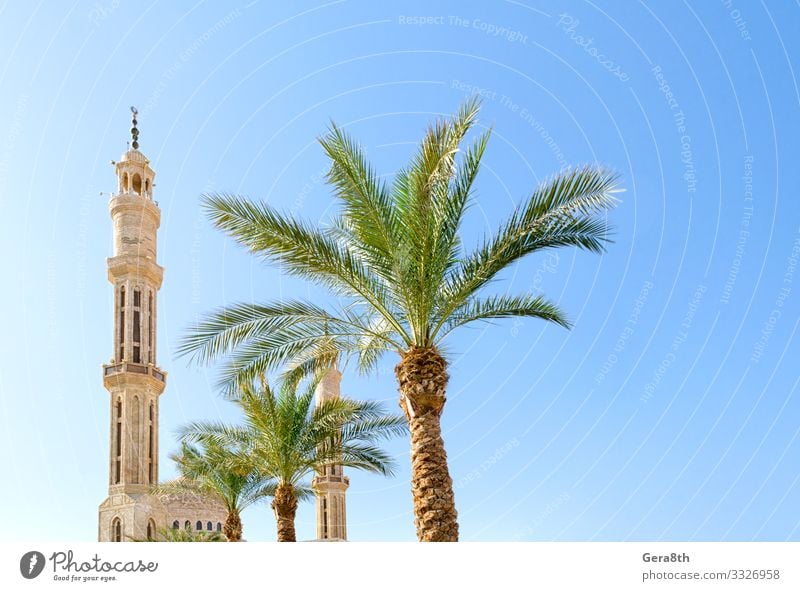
[134,130]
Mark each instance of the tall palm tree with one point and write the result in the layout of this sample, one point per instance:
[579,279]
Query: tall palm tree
[223,472]
[287,438]
[394,257]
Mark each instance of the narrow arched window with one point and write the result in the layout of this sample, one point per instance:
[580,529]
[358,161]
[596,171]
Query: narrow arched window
[135,438]
[137,184]
[151,531]
[116,530]
[121,333]
[151,337]
[187,524]
[324,518]
[118,443]
[199,526]
[137,327]
[209,526]
[219,526]
[175,524]
[151,440]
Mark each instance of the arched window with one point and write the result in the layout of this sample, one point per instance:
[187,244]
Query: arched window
[121,333]
[219,526]
[137,184]
[187,525]
[151,462]
[199,526]
[118,444]
[151,531]
[135,410]
[151,337]
[147,186]
[137,328]
[175,524]
[209,526]
[324,518]
[116,530]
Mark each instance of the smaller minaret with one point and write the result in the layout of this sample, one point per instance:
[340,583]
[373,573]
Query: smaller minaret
[331,484]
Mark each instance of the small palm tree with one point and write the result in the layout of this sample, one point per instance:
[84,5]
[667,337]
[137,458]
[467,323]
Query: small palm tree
[395,258]
[223,473]
[286,438]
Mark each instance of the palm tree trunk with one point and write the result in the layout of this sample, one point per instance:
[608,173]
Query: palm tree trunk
[422,379]
[284,504]
[233,527]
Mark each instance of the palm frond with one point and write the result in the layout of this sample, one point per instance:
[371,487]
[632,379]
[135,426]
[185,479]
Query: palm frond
[367,457]
[305,251]
[223,330]
[495,307]
[368,213]
[561,212]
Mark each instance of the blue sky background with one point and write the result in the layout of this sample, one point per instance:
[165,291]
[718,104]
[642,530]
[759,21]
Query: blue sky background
[669,412]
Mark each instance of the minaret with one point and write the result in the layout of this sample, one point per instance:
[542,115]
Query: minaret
[330,485]
[133,378]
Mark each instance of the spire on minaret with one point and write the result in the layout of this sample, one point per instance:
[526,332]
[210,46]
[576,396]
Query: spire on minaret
[134,129]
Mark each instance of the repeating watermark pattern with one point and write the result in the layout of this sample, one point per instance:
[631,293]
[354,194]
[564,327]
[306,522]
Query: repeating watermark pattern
[768,327]
[548,265]
[474,90]
[487,464]
[566,22]
[537,126]
[81,255]
[196,252]
[550,508]
[625,334]
[744,231]
[11,139]
[184,56]
[569,25]
[675,346]
[522,112]
[54,335]
[315,180]
[100,11]
[736,16]
[687,158]
[490,29]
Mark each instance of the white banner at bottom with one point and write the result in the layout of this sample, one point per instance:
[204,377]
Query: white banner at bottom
[764,566]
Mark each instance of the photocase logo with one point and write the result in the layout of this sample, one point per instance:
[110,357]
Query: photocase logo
[31,564]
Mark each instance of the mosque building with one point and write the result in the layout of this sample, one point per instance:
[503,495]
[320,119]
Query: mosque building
[135,383]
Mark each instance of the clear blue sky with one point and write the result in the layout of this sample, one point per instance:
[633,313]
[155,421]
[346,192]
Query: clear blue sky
[669,412]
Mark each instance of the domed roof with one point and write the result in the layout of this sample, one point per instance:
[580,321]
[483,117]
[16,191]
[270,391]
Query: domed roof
[133,156]
[188,499]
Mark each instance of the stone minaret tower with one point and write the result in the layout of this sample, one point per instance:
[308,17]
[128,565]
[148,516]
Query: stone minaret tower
[133,378]
[331,484]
